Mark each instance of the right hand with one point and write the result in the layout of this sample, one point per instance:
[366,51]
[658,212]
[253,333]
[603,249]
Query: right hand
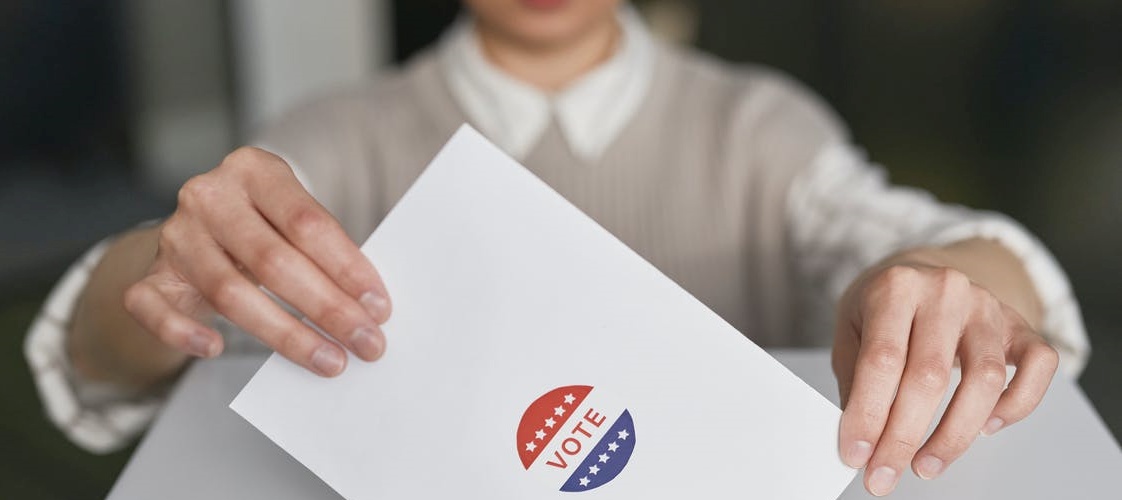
[246,223]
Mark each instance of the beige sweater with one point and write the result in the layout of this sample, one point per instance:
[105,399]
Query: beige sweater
[696,183]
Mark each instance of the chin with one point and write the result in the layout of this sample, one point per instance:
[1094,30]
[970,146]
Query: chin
[542,22]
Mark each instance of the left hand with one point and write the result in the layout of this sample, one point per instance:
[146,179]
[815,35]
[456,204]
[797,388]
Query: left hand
[901,329]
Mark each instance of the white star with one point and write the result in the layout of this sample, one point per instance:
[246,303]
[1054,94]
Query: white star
[569,399]
[559,411]
[594,469]
[612,446]
[604,458]
[540,434]
[549,422]
[531,446]
[584,481]
[623,434]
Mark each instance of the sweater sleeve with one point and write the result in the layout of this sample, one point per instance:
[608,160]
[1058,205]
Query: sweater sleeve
[844,216]
[97,417]
[323,142]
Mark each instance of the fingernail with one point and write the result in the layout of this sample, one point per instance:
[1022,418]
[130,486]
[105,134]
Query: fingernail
[201,345]
[376,304]
[858,454]
[367,343]
[929,467]
[882,481]
[992,426]
[328,360]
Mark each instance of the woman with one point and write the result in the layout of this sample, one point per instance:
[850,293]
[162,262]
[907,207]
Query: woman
[733,181]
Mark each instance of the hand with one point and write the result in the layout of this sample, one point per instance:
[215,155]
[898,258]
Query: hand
[901,328]
[246,223]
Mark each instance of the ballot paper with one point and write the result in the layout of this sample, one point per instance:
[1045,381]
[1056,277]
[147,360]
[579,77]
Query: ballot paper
[531,354]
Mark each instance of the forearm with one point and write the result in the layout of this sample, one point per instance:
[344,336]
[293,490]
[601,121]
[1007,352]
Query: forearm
[987,263]
[104,342]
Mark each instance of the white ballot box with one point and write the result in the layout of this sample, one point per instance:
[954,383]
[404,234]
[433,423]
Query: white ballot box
[199,449]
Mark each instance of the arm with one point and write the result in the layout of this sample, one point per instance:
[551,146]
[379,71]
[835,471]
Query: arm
[104,343]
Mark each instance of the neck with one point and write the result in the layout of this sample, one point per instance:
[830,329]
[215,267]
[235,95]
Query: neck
[550,67]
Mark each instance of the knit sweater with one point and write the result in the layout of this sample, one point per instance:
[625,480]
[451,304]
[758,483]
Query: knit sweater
[696,183]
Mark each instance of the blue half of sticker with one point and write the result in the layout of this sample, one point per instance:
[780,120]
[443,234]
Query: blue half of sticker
[607,458]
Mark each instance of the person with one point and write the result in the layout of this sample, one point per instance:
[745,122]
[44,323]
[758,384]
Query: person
[734,181]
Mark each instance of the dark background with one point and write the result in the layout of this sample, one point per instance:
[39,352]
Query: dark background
[1011,105]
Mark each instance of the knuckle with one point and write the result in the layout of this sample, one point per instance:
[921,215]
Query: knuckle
[247,161]
[224,293]
[272,261]
[170,234]
[885,357]
[952,281]
[198,191]
[352,271]
[990,374]
[986,310]
[981,295]
[896,279]
[894,284]
[242,157]
[166,328]
[930,376]
[1046,355]
[167,235]
[132,298]
[306,222]
[333,316]
[291,343]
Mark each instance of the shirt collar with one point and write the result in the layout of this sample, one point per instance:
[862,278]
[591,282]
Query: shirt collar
[591,112]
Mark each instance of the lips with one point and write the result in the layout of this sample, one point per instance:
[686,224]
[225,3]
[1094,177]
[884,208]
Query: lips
[545,4]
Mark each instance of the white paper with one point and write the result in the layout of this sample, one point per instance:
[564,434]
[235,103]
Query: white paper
[503,292]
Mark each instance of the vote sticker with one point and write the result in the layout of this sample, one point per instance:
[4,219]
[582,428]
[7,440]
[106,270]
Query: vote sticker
[575,437]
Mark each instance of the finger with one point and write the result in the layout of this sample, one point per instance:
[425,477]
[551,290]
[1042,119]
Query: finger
[233,296]
[982,357]
[295,279]
[311,228]
[1036,363]
[885,323]
[934,340]
[157,315]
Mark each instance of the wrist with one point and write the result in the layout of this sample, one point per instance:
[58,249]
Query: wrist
[104,343]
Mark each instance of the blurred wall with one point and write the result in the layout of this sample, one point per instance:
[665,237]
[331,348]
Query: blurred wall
[180,74]
[207,73]
[1009,105]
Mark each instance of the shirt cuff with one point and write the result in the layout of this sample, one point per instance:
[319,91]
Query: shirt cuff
[1063,323]
[96,416]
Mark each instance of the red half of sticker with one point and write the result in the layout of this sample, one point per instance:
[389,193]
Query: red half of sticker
[545,416]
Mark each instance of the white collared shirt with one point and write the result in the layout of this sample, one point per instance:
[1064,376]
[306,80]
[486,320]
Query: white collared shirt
[590,112]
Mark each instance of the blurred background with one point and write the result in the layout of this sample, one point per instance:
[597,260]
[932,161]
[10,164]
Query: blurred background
[106,107]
